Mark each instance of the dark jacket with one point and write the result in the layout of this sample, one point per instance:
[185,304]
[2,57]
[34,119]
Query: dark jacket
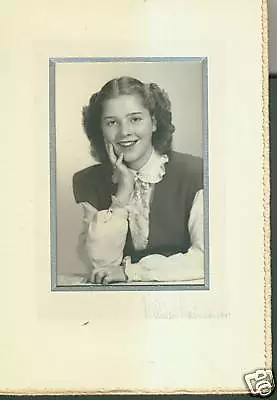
[169,209]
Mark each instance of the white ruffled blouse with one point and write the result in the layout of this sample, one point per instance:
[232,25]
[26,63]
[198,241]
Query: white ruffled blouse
[103,236]
[139,207]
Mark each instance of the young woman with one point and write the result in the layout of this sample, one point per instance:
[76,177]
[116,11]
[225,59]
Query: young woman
[143,204]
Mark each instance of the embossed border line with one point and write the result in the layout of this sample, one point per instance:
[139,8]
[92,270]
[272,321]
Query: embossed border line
[53,190]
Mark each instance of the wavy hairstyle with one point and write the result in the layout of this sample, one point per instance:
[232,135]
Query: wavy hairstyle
[154,98]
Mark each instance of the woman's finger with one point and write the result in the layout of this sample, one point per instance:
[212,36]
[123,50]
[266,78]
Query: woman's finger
[98,276]
[115,276]
[93,275]
[119,161]
[111,153]
[106,280]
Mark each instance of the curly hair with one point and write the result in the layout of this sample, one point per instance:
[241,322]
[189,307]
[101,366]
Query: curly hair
[154,98]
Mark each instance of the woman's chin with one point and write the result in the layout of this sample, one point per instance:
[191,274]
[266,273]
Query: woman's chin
[129,160]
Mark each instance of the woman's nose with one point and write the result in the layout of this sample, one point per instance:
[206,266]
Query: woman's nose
[124,129]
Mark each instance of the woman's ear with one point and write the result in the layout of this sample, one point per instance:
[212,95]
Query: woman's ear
[154,124]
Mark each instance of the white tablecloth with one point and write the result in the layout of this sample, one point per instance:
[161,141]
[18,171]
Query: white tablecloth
[73,280]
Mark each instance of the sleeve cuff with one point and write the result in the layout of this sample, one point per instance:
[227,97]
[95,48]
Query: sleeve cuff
[119,212]
[132,272]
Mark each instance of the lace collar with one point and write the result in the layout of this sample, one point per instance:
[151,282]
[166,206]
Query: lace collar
[154,170]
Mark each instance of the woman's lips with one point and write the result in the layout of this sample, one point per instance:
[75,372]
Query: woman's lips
[127,143]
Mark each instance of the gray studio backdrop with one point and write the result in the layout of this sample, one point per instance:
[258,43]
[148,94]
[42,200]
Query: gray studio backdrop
[74,84]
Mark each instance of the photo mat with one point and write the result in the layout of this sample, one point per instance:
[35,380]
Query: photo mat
[137,341]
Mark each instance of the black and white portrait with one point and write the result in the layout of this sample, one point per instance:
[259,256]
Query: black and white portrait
[136,234]
[128,171]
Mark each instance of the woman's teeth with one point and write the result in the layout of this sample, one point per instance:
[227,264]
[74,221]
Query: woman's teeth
[127,144]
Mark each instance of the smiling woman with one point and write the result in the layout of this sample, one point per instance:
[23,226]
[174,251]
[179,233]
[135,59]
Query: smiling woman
[128,126]
[143,204]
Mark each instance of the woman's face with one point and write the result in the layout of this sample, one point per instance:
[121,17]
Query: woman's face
[128,126]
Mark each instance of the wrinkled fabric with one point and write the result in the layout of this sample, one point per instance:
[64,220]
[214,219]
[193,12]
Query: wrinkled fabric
[104,233]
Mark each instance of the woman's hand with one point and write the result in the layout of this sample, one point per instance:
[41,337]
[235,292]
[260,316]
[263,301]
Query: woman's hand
[108,275]
[122,176]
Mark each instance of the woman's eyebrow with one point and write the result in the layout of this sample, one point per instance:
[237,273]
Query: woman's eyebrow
[129,114]
[135,113]
[109,117]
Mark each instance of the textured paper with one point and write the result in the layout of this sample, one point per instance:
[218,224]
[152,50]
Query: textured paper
[137,342]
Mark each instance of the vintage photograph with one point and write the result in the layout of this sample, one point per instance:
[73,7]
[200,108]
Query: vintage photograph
[129,172]
[135,246]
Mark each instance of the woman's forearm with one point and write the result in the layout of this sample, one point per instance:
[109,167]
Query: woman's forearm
[103,238]
[179,267]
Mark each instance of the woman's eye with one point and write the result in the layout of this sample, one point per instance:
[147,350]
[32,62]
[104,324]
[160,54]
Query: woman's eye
[136,119]
[111,122]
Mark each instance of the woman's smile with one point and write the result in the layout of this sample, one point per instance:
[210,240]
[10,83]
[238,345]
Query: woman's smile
[128,144]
